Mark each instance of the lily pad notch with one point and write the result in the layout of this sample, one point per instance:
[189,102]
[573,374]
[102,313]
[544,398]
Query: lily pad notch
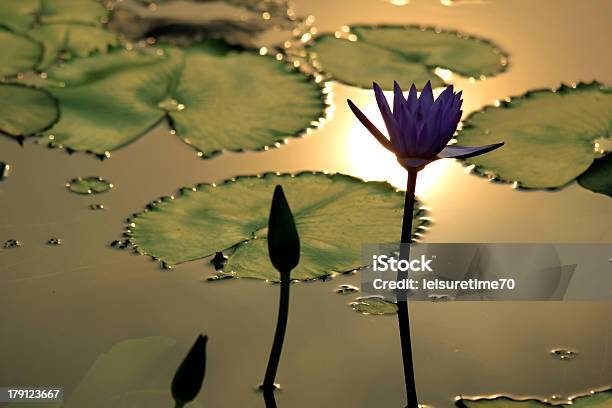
[232,217]
[550,138]
[406,53]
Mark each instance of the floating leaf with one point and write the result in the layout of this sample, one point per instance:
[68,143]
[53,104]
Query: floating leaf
[373,305]
[88,185]
[549,135]
[598,177]
[25,111]
[601,399]
[407,54]
[333,214]
[19,53]
[216,97]
[21,15]
[71,26]
[71,40]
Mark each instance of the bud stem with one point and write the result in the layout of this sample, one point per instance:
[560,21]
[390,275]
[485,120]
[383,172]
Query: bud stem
[402,304]
[279,335]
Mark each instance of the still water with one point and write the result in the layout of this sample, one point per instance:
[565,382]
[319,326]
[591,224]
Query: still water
[64,305]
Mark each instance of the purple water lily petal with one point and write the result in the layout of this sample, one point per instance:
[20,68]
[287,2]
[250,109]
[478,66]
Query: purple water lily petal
[370,126]
[426,99]
[412,102]
[390,123]
[464,152]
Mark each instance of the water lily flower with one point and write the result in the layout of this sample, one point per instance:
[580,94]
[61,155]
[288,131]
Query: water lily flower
[420,128]
[419,131]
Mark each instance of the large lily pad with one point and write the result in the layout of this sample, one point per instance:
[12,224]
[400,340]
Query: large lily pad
[334,216]
[19,53]
[601,399]
[69,27]
[25,111]
[217,97]
[407,54]
[549,135]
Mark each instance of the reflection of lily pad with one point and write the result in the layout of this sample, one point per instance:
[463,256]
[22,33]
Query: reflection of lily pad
[130,374]
[215,96]
[601,399]
[406,54]
[88,185]
[334,215]
[598,177]
[19,53]
[549,135]
[71,26]
[373,305]
[25,111]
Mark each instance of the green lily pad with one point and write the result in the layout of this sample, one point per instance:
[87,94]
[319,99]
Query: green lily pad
[88,185]
[598,177]
[66,27]
[334,216]
[549,135]
[373,305]
[71,40]
[407,54]
[217,97]
[21,15]
[25,111]
[602,399]
[19,53]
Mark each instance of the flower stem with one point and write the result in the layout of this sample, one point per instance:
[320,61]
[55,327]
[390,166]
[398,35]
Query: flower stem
[269,400]
[279,335]
[402,303]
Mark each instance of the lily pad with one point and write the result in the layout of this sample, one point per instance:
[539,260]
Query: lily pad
[549,135]
[602,399]
[88,185]
[407,54]
[19,53]
[334,214]
[373,305]
[69,27]
[598,177]
[71,40]
[216,96]
[25,111]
